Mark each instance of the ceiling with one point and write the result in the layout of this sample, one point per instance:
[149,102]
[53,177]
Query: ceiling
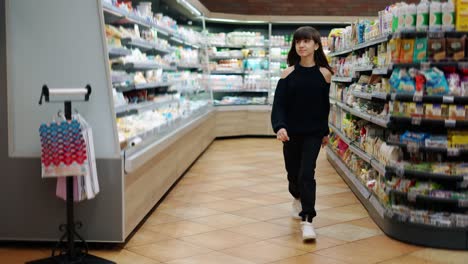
[299,7]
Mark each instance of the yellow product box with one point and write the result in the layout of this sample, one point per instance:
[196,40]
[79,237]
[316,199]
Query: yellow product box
[461,15]
[393,50]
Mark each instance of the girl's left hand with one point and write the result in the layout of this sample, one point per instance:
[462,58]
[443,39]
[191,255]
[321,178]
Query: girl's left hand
[324,141]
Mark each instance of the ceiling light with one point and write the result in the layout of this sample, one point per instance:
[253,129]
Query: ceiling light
[189,7]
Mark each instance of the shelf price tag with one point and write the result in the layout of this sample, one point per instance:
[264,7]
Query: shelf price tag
[448,99]
[418,97]
[453,152]
[393,96]
[412,196]
[400,170]
[463,203]
[412,147]
[450,123]
[416,121]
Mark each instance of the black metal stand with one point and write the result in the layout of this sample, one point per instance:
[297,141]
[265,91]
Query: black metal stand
[68,252]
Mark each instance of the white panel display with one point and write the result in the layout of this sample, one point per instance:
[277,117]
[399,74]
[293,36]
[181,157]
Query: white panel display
[59,43]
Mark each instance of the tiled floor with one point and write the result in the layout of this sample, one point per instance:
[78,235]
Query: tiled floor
[232,207]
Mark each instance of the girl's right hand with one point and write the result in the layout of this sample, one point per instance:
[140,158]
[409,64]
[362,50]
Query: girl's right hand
[282,135]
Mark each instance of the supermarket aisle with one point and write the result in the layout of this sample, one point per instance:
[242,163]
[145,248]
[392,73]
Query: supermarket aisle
[232,207]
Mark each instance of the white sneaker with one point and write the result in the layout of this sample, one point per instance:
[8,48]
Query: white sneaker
[296,209]
[308,232]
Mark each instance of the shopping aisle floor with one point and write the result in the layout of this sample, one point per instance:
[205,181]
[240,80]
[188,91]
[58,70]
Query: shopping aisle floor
[233,207]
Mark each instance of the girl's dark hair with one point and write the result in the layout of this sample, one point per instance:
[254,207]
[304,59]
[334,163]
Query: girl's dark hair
[313,34]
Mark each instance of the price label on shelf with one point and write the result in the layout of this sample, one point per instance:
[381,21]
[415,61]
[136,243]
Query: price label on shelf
[464,183]
[412,147]
[453,152]
[417,97]
[416,121]
[463,203]
[412,196]
[400,169]
[393,96]
[450,123]
[448,99]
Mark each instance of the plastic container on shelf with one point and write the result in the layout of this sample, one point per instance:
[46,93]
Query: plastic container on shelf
[422,21]
[448,16]
[435,19]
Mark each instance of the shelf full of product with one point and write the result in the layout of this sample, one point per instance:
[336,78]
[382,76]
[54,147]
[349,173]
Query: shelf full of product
[155,67]
[399,119]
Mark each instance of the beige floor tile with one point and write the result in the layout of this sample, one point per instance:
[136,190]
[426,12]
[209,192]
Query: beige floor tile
[337,200]
[358,254]
[124,257]
[287,221]
[211,258]
[309,259]
[219,239]
[366,222]
[190,211]
[263,213]
[145,236]
[225,220]
[328,190]
[169,250]
[408,260]
[197,198]
[265,199]
[266,188]
[343,214]
[263,252]
[235,182]
[171,203]
[233,193]
[201,188]
[262,230]
[347,232]
[229,205]
[21,255]
[160,218]
[389,244]
[443,256]
[295,241]
[181,228]
[321,220]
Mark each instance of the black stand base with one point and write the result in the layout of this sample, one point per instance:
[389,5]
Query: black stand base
[63,259]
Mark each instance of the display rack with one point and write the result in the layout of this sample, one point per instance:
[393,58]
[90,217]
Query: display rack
[69,251]
[382,211]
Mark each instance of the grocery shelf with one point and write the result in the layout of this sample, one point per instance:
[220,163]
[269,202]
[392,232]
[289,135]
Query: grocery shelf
[119,52]
[152,85]
[189,67]
[399,121]
[364,68]
[364,45]
[385,70]
[374,96]
[340,134]
[425,199]
[423,175]
[342,79]
[124,88]
[350,177]
[342,52]
[226,57]
[451,152]
[144,45]
[225,46]
[435,99]
[136,66]
[227,72]
[373,119]
[239,91]
[415,233]
[132,109]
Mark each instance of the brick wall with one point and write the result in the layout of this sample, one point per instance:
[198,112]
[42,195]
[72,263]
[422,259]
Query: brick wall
[300,7]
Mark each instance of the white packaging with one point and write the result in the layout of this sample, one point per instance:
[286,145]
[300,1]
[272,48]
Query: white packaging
[410,17]
[435,20]
[448,16]
[422,20]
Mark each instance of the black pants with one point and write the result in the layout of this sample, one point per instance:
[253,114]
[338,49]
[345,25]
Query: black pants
[300,157]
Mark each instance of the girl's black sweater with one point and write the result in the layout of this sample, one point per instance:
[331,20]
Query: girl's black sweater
[301,104]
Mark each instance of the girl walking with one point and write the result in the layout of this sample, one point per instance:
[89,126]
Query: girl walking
[300,120]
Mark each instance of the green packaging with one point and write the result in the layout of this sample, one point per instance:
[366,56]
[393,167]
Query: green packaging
[420,50]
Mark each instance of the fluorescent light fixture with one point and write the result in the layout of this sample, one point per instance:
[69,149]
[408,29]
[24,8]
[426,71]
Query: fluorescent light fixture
[226,20]
[189,7]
